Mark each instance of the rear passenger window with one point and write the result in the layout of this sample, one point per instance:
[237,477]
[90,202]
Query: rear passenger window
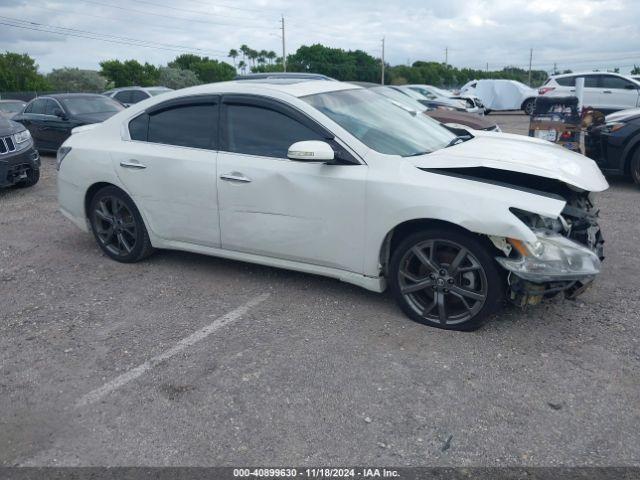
[138,96]
[592,81]
[566,81]
[123,96]
[184,125]
[261,131]
[38,106]
[139,127]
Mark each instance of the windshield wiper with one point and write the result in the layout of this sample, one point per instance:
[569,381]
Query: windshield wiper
[417,154]
[454,141]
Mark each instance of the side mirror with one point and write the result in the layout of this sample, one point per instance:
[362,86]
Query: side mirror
[311,151]
[628,86]
[59,113]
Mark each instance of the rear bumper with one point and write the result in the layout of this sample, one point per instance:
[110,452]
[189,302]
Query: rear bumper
[14,166]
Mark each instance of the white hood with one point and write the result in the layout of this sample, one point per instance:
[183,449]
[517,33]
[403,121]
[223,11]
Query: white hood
[518,153]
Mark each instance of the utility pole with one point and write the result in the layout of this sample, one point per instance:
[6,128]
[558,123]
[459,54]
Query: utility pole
[530,59]
[446,56]
[487,67]
[382,75]
[555,68]
[284,50]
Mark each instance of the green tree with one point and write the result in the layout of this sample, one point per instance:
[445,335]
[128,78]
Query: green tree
[76,80]
[335,62]
[19,72]
[129,72]
[271,55]
[177,78]
[242,66]
[233,54]
[635,70]
[207,70]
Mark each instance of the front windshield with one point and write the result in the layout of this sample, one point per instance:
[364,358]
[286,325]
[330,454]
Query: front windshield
[11,107]
[381,125]
[401,98]
[88,105]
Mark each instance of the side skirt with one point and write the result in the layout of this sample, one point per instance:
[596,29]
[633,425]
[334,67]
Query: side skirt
[374,284]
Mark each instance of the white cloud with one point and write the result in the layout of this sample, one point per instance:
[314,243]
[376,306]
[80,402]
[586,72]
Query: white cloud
[577,34]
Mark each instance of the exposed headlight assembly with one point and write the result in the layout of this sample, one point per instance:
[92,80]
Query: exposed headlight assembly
[22,136]
[552,257]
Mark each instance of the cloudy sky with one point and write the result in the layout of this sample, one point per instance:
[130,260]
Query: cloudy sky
[576,34]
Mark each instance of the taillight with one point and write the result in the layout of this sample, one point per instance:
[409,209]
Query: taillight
[543,90]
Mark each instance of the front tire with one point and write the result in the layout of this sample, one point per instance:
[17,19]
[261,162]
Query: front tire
[33,176]
[118,226]
[445,278]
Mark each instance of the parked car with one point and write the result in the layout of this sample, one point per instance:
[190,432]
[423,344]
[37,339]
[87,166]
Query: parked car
[603,91]
[450,118]
[430,102]
[502,95]
[470,103]
[19,161]
[615,146]
[8,108]
[333,179]
[50,119]
[127,96]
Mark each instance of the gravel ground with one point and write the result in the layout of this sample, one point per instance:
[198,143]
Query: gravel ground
[318,373]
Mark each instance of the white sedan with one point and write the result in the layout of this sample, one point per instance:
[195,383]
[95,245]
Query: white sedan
[332,179]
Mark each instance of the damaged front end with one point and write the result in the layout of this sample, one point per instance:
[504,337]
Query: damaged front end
[565,257]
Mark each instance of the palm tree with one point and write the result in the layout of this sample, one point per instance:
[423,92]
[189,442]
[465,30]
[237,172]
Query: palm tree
[262,54]
[271,55]
[233,53]
[252,54]
[245,51]
[242,66]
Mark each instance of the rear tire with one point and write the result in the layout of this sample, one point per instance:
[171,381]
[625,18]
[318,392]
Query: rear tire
[634,167]
[33,176]
[118,226]
[528,106]
[445,278]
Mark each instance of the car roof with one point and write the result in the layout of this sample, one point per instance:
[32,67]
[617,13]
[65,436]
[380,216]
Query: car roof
[577,74]
[61,96]
[295,89]
[284,75]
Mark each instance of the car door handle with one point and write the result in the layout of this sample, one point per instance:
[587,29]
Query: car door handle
[235,177]
[133,164]
[606,91]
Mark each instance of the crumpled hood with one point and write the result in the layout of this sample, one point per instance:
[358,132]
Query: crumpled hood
[518,153]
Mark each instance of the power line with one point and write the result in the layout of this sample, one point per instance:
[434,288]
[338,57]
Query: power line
[97,34]
[199,12]
[174,18]
[247,9]
[90,37]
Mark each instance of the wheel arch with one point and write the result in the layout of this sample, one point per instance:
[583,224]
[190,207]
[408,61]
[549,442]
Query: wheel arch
[630,150]
[91,192]
[394,237]
[525,102]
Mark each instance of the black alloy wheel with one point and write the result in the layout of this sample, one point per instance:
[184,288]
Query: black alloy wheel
[445,279]
[118,226]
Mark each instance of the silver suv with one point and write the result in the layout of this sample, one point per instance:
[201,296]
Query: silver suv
[604,91]
[127,96]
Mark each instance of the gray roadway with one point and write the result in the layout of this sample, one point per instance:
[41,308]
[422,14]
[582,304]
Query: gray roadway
[319,372]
